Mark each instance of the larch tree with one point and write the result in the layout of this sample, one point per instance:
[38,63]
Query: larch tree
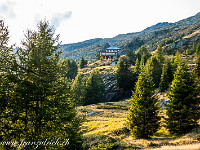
[46,108]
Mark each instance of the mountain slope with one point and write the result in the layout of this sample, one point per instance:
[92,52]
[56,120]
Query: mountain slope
[171,34]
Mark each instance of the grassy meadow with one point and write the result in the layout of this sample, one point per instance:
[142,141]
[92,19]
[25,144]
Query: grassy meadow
[104,127]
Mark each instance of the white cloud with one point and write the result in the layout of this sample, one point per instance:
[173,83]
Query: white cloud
[58,18]
[6,9]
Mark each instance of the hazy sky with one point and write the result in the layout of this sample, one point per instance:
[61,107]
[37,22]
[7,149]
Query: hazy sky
[79,20]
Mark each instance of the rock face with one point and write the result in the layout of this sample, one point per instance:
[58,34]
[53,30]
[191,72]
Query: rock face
[113,94]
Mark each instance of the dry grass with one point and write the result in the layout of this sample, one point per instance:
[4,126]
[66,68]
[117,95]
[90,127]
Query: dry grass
[106,129]
[180,147]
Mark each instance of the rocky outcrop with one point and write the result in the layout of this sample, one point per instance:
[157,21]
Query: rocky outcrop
[113,94]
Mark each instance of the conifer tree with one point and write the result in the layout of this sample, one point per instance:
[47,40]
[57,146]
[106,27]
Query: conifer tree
[131,57]
[182,110]
[176,61]
[125,77]
[82,63]
[197,67]
[69,68]
[143,51]
[78,90]
[164,81]
[170,73]
[194,47]
[159,54]
[95,88]
[45,106]
[137,67]
[8,70]
[197,53]
[155,67]
[74,69]
[143,119]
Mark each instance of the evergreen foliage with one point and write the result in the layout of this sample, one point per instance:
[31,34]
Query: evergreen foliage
[137,67]
[41,107]
[78,90]
[73,69]
[182,110]
[175,62]
[159,54]
[143,119]
[69,68]
[197,67]
[164,81]
[197,53]
[125,77]
[95,88]
[143,51]
[194,45]
[97,56]
[131,57]
[155,67]
[8,69]
[82,63]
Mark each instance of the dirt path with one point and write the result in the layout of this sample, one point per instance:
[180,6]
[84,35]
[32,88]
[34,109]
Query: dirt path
[181,147]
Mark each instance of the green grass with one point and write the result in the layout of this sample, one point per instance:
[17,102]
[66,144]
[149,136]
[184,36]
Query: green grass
[112,107]
[106,129]
[163,134]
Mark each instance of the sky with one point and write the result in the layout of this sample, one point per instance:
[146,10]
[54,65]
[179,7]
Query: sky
[79,20]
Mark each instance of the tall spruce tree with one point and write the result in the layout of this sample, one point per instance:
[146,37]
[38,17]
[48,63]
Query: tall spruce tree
[155,67]
[74,69]
[125,77]
[159,54]
[137,67]
[45,107]
[78,90]
[8,70]
[95,88]
[143,119]
[182,110]
[164,81]
[82,63]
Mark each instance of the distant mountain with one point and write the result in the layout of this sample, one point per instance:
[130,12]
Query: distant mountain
[173,36]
